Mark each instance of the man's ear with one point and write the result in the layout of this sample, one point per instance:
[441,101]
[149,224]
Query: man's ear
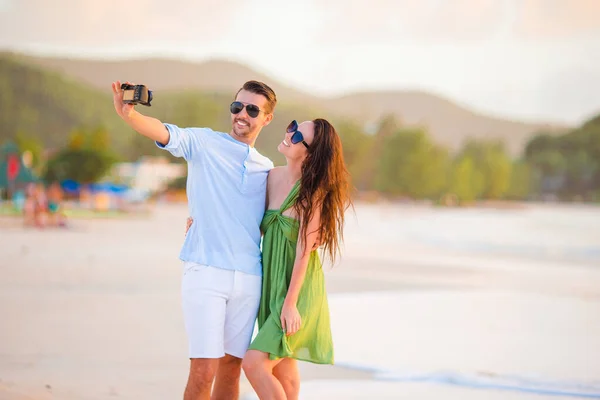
[268,119]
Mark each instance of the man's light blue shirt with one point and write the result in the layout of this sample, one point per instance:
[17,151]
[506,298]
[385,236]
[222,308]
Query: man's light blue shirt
[226,190]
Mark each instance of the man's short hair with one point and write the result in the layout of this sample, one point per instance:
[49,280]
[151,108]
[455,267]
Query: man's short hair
[263,89]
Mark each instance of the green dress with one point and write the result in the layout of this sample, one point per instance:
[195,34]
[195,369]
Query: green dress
[313,341]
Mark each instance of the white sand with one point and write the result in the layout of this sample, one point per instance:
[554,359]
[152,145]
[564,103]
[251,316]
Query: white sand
[94,312]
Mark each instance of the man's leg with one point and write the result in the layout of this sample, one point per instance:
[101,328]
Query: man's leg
[227,382]
[200,379]
[240,319]
[204,294]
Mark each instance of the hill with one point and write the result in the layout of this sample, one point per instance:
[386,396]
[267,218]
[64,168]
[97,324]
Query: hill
[46,105]
[449,123]
[162,74]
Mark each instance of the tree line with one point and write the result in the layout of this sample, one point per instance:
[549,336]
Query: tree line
[405,162]
[72,132]
[395,161]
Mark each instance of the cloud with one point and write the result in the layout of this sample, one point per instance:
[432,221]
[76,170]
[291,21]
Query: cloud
[392,21]
[110,22]
[556,19]
[348,22]
[443,21]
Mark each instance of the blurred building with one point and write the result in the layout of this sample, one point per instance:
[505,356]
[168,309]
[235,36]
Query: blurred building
[148,174]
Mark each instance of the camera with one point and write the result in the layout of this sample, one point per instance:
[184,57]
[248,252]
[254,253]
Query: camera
[136,94]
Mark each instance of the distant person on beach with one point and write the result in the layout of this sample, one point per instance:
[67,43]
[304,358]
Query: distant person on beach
[29,205]
[55,199]
[226,189]
[306,201]
[36,205]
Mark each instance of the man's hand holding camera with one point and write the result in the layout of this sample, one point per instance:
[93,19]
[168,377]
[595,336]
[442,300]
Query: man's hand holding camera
[125,97]
[123,109]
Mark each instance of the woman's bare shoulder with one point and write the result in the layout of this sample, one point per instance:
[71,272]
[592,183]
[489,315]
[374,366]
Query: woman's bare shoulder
[274,173]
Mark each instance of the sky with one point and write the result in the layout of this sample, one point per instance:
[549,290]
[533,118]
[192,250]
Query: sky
[533,60]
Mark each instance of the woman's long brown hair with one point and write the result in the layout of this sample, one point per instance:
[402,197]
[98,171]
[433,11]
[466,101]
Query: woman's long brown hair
[325,183]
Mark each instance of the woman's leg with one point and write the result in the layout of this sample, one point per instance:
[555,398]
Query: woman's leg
[288,375]
[259,371]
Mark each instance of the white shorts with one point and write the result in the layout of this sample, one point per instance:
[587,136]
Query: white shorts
[219,310]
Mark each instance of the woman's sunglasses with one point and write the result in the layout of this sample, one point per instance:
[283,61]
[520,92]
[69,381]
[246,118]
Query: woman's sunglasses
[237,106]
[297,136]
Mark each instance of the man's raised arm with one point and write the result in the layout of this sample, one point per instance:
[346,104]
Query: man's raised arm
[142,124]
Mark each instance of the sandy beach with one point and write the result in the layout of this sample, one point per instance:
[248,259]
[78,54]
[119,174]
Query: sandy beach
[426,304]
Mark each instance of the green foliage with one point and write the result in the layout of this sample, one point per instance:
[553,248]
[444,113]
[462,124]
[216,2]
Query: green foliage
[521,181]
[86,158]
[567,166]
[356,145]
[493,168]
[99,139]
[80,165]
[178,183]
[76,139]
[367,177]
[44,112]
[466,181]
[411,165]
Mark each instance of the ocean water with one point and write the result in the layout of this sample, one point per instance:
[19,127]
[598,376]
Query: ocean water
[568,233]
[492,340]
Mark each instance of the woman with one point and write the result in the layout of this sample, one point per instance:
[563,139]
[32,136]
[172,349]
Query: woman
[306,200]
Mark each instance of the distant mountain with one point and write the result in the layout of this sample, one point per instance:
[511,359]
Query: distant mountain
[448,123]
[163,74]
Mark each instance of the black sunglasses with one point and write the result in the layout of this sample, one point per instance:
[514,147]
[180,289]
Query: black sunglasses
[237,106]
[297,136]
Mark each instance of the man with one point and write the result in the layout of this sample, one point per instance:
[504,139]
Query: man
[226,189]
